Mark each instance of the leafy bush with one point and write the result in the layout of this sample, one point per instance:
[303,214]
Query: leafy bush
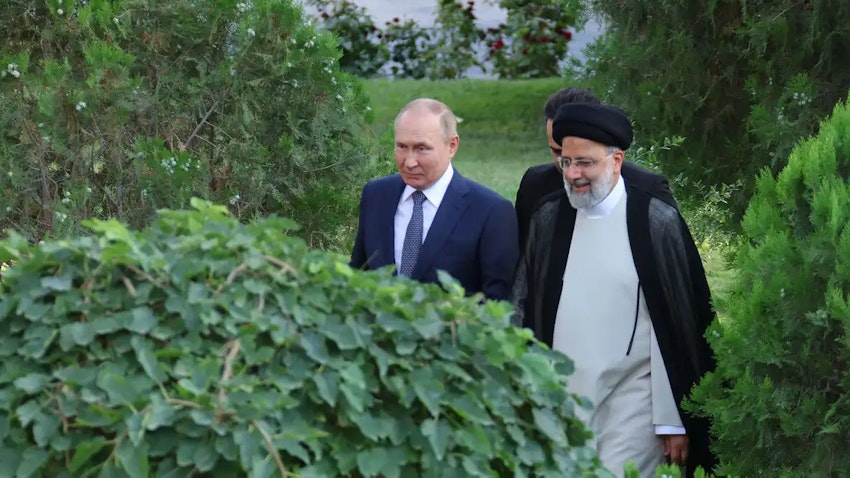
[743,81]
[363,53]
[203,346]
[115,108]
[780,397]
[531,44]
[534,40]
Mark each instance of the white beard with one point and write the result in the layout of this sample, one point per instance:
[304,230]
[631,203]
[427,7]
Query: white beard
[599,189]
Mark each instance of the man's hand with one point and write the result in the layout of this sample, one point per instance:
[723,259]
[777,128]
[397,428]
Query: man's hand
[676,448]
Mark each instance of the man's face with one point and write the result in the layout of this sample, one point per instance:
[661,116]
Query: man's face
[592,174]
[422,153]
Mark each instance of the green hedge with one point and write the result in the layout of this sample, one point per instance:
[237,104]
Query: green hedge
[206,347]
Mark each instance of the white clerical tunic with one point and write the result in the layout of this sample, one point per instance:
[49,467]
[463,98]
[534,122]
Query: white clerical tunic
[604,326]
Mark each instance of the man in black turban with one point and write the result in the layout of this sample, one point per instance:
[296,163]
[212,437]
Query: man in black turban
[612,278]
[542,180]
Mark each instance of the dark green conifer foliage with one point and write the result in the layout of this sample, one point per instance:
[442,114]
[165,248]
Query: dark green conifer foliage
[780,398]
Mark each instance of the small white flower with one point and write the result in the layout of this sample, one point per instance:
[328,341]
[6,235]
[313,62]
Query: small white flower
[339,97]
[251,32]
[293,41]
[66,200]
[9,174]
[60,12]
[115,20]
[782,293]
[333,80]
[81,106]
[289,64]
[368,108]
[16,73]
[88,190]
[234,199]
[8,208]
[11,67]
[295,83]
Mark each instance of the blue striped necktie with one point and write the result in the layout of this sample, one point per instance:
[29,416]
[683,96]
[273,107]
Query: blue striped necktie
[413,237]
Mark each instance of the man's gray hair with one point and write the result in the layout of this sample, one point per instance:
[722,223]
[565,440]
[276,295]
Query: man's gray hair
[448,120]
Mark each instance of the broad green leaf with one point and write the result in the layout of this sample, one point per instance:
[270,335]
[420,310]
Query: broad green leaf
[438,433]
[83,453]
[76,375]
[61,283]
[475,438]
[44,428]
[427,389]
[548,423]
[205,457]
[32,459]
[28,412]
[145,356]
[470,408]
[142,320]
[117,387]
[135,428]
[134,459]
[429,326]
[373,427]
[78,333]
[326,382]
[381,462]
[33,382]
[10,458]
[314,346]
[352,373]
[356,396]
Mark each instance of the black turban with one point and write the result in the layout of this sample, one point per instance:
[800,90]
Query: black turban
[604,124]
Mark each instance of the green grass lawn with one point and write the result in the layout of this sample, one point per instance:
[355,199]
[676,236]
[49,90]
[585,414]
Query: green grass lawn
[502,133]
[502,130]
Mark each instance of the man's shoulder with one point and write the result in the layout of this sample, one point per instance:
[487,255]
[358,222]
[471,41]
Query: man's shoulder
[545,176]
[643,179]
[636,171]
[383,183]
[480,191]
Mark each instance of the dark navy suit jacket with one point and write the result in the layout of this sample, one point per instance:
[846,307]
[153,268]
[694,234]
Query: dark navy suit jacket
[473,236]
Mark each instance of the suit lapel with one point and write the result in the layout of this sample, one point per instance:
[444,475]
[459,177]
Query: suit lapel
[451,209]
[386,215]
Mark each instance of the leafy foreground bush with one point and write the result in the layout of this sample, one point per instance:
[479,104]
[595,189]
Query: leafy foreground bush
[118,108]
[780,397]
[205,347]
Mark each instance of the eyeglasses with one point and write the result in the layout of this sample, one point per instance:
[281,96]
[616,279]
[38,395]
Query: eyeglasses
[580,164]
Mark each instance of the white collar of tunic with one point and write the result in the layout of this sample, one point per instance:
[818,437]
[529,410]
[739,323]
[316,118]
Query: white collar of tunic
[434,193]
[607,205]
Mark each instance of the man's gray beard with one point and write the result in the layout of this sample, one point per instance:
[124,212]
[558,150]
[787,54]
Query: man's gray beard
[599,189]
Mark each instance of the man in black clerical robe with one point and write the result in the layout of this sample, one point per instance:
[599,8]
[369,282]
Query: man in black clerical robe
[668,266]
[543,179]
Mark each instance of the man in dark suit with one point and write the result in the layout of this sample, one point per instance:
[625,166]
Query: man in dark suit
[428,217]
[544,179]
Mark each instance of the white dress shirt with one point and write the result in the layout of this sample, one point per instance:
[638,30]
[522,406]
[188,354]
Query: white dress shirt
[433,198]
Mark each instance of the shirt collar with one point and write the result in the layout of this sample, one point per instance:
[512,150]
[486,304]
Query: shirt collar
[607,205]
[436,191]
